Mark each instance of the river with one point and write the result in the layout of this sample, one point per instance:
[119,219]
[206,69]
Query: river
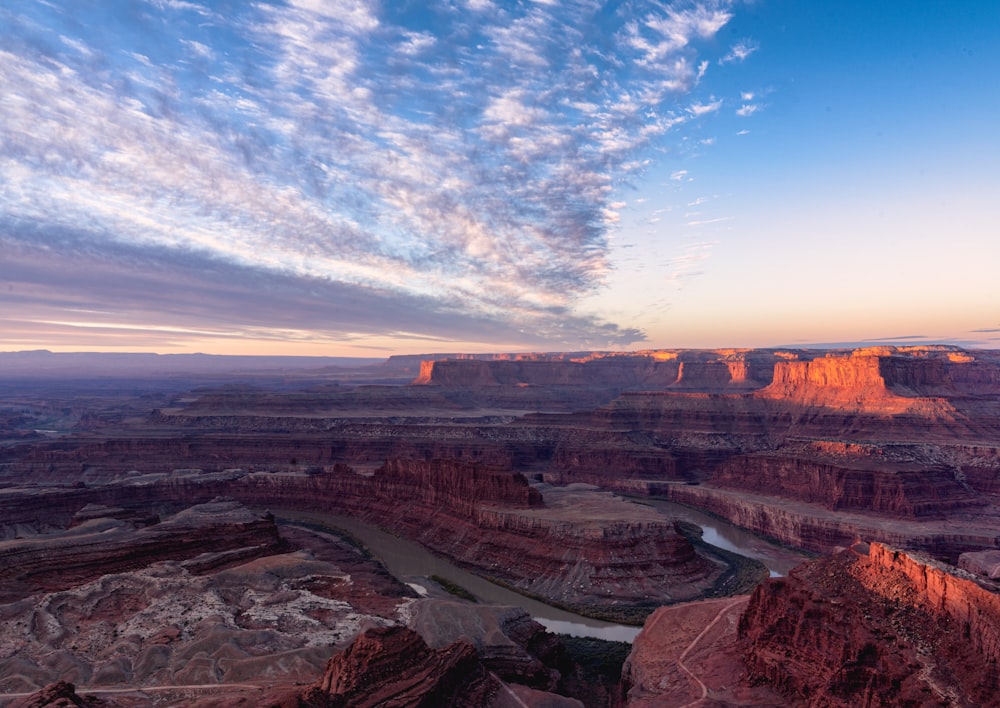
[778,559]
[413,564]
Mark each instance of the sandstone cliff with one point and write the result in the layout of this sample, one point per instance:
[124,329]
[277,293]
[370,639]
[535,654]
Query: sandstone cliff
[812,528]
[878,629]
[570,547]
[394,666]
[896,490]
[722,370]
[60,694]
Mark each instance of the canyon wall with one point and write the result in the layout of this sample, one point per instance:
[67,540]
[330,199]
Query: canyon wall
[876,630]
[894,490]
[802,526]
[577,551]
[722,370]
[814,449]
[973,605]
[55,561]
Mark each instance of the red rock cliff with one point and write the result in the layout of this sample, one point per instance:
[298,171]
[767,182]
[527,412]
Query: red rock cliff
[883,629]
[394,666]
[891,489]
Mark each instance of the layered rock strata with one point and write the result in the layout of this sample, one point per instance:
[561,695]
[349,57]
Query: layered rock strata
[217,630]
[575,546]
[60,694]
[883,628]
[394,666]
[509,642]
[812,528]
[218,533]
[899,490]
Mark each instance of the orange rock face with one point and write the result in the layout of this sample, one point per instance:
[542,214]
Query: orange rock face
[879,629]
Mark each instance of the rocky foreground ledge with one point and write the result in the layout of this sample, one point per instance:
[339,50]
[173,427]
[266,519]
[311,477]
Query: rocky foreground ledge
[869,626]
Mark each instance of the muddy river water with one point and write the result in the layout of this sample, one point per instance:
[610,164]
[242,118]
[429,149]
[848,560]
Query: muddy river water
[413,564]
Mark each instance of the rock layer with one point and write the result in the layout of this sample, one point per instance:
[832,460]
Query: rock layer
[272,620]
[394,666]
[879,629]
[217,533]
[573,548]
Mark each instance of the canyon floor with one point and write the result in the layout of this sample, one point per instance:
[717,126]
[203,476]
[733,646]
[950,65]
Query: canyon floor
[142,561]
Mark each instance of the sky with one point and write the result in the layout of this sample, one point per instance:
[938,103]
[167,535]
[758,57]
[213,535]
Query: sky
[363,178]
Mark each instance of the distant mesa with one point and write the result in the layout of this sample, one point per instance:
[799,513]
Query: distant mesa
[148,497]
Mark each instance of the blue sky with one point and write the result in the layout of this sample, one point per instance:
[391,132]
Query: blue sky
[359,178]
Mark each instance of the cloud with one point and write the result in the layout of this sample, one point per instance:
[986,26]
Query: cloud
[200,50]
[685,265]
[747,109]
[701,109]
[660,35]
[705,222]
[740,51]
[344,168]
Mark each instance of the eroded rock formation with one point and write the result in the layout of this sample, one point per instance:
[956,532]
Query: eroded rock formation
[509,642]
[687,654]
[817,449]
[216,533]
[884,628]
[60,694]
[187,615]
[393,665]
[575,546]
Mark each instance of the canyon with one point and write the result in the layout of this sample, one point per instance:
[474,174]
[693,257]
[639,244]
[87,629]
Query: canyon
[539,472]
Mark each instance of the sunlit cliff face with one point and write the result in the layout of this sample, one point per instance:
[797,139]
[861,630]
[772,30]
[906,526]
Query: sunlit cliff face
[875,620]
[880,380]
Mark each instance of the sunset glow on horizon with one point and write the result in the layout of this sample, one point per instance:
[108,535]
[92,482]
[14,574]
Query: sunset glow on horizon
[361,178]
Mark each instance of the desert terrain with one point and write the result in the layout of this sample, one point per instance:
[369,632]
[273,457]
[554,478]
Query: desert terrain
[205,531]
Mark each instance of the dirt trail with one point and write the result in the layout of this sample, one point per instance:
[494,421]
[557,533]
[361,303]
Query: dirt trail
[694,642]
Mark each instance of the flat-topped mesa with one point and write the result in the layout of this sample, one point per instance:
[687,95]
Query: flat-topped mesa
[879,628]
[715,374]
[883,379]
[842,382]
[573,548]
[726,370]
[876,376]
[697,370]
[602,372]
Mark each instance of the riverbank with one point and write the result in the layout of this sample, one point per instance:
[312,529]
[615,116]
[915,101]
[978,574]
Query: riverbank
[414,565]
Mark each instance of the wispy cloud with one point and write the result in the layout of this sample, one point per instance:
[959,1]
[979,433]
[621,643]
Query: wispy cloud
[687,263]
[346,169]
[700,109]
[740,51]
